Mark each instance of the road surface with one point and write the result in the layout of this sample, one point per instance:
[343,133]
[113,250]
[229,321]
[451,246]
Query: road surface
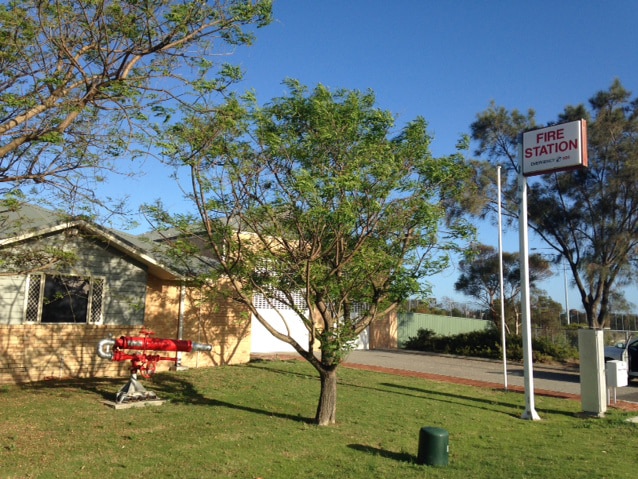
[558,379]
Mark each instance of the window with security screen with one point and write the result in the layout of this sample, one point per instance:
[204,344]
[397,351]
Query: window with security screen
[271,302]
[64,299]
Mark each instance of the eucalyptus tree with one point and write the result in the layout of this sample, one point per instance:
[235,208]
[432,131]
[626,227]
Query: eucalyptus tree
[590,216]
[80,79]
[318,203]
[480,279]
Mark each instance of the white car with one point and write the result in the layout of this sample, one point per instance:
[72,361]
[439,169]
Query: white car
[625,352]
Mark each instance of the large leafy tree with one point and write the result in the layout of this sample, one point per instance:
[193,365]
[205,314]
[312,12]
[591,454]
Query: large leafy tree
[546,313]
[589,217]
[80,79]
[480,279]
[319,204]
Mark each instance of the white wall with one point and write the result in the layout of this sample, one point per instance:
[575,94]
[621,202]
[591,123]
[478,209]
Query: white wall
[264,342]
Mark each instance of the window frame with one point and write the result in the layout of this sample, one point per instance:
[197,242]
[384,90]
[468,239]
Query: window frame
[34,298]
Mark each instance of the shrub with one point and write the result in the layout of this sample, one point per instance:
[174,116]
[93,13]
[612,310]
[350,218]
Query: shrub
[423,341]
[487,344]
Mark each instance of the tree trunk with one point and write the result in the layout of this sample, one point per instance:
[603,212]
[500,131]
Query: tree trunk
[327,408]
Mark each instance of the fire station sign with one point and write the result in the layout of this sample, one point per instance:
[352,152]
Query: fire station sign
[555,148]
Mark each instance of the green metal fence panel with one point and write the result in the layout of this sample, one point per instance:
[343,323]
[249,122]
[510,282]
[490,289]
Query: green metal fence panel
[410,323]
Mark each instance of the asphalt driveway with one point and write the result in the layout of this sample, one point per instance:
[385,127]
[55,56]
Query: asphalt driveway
[562,381]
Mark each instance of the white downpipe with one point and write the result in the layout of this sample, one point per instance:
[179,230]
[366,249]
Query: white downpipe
[180,320]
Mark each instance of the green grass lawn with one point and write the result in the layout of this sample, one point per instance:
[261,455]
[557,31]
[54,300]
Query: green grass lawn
[254,421]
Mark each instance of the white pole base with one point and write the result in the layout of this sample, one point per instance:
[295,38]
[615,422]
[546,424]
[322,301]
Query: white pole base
[531,415]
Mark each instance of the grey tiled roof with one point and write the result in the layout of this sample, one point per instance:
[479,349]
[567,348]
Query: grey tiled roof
[31,221]
[28,218]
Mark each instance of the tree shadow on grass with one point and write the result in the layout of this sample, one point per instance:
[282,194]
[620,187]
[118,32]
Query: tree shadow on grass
[104,387]
[178,389]
[376,451]
[469,398]
[168,386]
[471,401]
[255,364]
[390,388]
[457,399]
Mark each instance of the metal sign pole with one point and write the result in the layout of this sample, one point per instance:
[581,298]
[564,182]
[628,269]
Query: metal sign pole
[555,148]
[500,264]
[530,411]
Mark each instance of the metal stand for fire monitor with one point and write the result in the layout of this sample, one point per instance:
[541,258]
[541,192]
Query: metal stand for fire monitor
[133,394]
[134,391]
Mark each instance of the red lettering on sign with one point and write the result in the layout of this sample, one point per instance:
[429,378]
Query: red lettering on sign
[551,148]
[551,135]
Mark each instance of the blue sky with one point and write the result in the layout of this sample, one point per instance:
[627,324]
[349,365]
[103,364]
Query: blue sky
[444,60]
